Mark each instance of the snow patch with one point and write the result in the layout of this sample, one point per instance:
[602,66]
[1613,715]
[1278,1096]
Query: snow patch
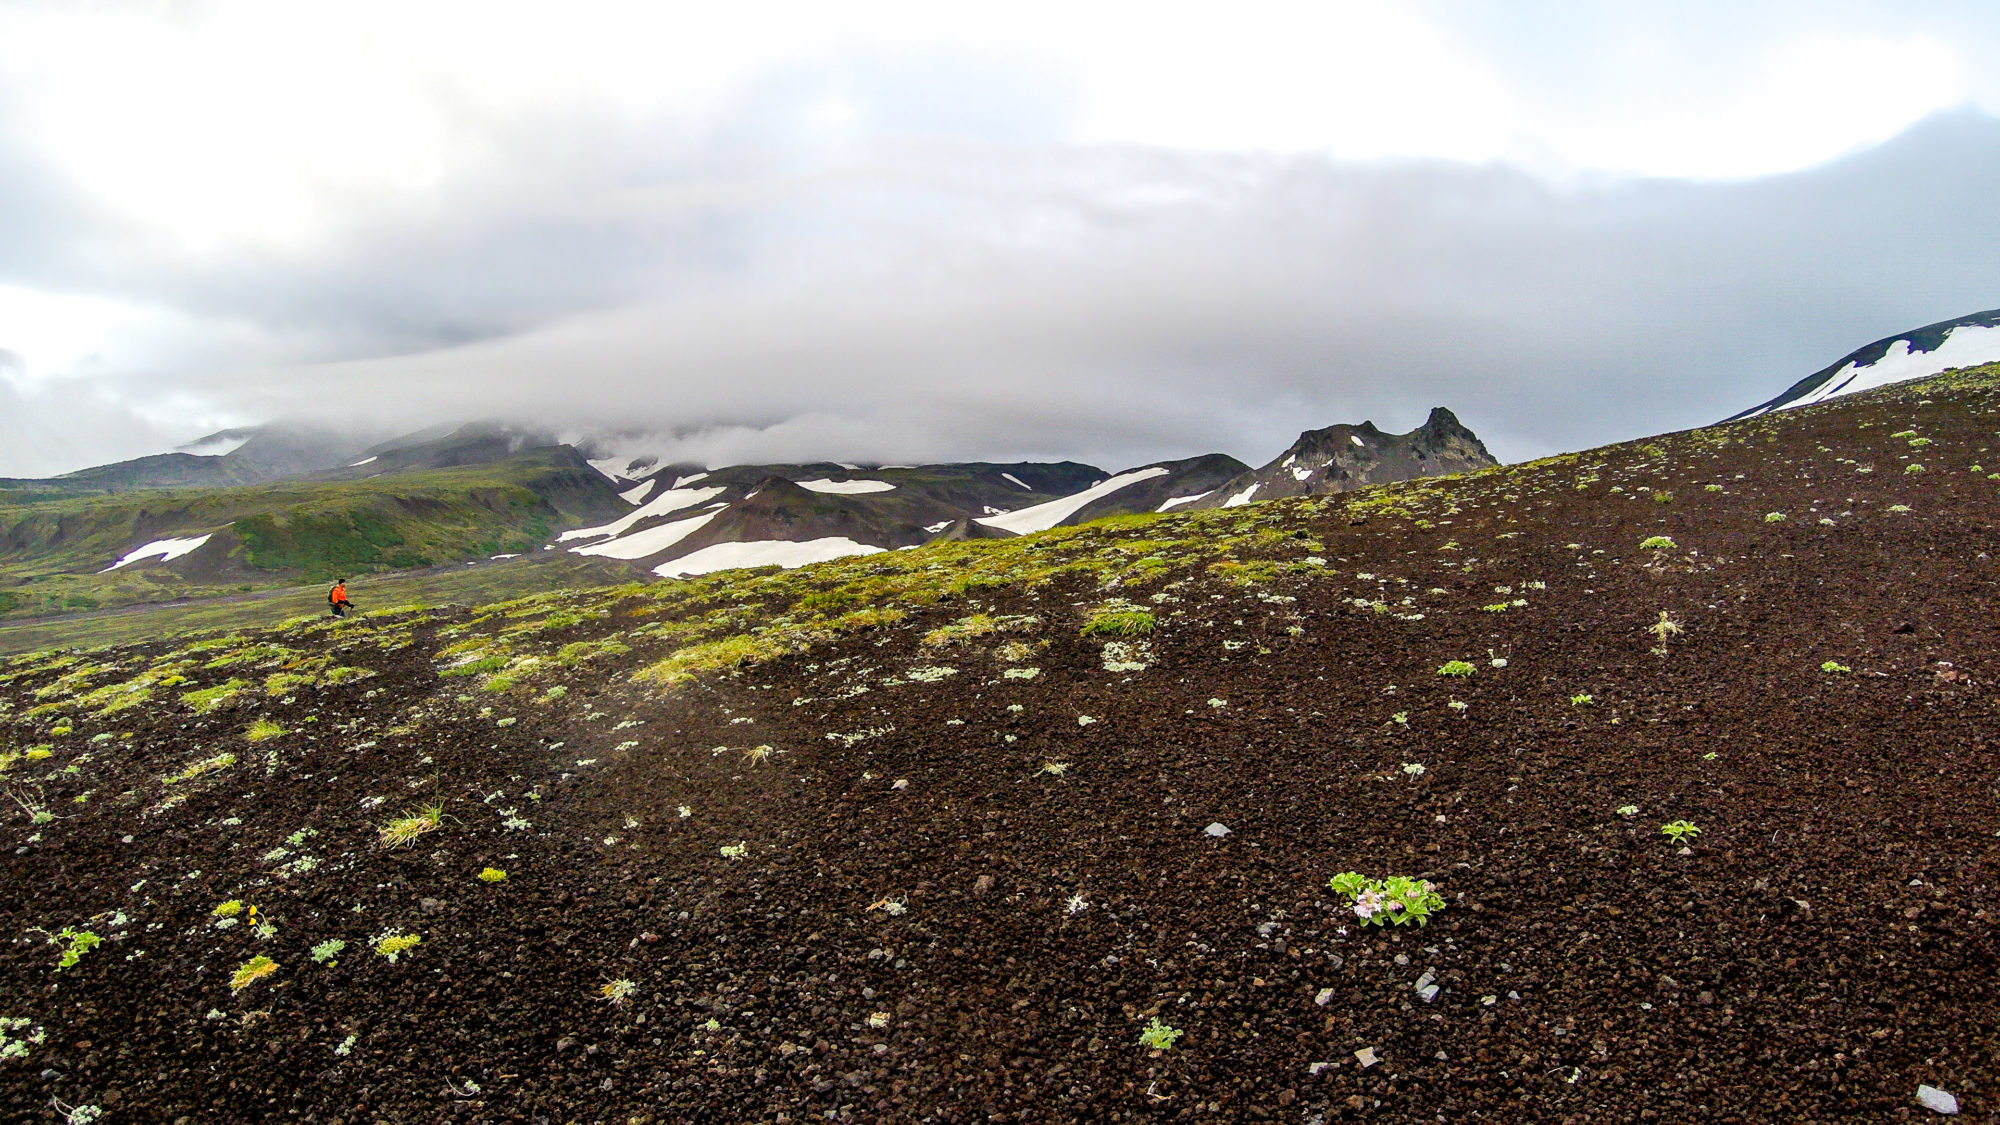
[1179,500]
[618,466]
[1356,439]
[666,503]
[363,461]
[1018,480]
[685,481]
[1302,474]
[731,556]
[167,549]
[847,487]
[497,558]
[1968,345]
[651,541]
[1041,517]
[938,526]
[636,494]
[1243,497]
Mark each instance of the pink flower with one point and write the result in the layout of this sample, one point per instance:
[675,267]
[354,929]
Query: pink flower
[1367,904]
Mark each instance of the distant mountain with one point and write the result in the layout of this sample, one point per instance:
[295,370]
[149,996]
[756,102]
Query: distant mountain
[1966,342]
[1343,458]
[253,455]
[254,504]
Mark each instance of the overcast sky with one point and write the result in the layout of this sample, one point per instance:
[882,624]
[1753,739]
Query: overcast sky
[918,231]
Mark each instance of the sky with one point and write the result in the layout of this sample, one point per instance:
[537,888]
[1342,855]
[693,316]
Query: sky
[911,231]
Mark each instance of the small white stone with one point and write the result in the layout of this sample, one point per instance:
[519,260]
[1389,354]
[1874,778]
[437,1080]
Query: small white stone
[1324,998]
[1936,1100]
[901,783]
[1366,1057]
[1428,992]
[1217,830]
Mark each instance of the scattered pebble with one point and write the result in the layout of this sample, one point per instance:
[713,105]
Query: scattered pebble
[1366,1057]
[1217,830]
[1936,1100]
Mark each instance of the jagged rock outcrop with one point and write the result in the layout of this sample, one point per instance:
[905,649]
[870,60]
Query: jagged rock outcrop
[1343,458]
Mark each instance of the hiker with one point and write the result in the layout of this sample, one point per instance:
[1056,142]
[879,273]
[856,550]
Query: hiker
[336,599]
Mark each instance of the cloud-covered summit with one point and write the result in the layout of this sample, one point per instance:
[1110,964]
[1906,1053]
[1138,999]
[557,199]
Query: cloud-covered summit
[893,252]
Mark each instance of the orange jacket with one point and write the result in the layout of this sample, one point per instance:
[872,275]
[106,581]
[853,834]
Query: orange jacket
[337,595]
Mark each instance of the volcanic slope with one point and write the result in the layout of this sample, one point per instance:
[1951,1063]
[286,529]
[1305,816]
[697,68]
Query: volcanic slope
[925,835]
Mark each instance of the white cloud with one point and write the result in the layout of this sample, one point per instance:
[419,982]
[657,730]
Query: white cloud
[897,230]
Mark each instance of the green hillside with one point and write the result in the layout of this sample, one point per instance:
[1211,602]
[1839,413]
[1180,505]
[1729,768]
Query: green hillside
[54,551]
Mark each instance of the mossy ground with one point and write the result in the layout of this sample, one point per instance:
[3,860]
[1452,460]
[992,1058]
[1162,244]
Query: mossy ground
[713,788]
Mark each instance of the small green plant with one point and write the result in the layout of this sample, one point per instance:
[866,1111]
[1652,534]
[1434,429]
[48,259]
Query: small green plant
[1159,1036]
[1835,668]
[1663,628]
[1119,623]
[228,909]
[263,730]
[1663,496]
[395,943]
[1774,517]
[1628,810]
[13,1044]
[1582,699]
[617,992]
[413,823]
[1397,900]
[1658,543]
[196,769]
[1680,831]
[492,875]
[326,951]
[736,850]
[74,943]
[1458,668]
[252,971]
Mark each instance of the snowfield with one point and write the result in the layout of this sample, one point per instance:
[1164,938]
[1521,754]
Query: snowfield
[1968,345]
[1177,501]
[651,541]
[665,504]
[847,487]
[1041,517]
[167,549]
[733,556]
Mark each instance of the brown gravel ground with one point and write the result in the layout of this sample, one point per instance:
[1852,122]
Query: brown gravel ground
[927,926]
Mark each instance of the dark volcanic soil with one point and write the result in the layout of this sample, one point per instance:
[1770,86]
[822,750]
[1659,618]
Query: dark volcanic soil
[927,925]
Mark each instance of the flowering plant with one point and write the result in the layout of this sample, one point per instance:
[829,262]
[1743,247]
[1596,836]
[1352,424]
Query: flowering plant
[1397,900]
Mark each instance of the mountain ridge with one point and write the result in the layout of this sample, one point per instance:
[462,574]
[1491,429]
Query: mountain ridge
[1965,341]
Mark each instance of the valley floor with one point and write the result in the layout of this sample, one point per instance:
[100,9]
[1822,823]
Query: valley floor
[818,845]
